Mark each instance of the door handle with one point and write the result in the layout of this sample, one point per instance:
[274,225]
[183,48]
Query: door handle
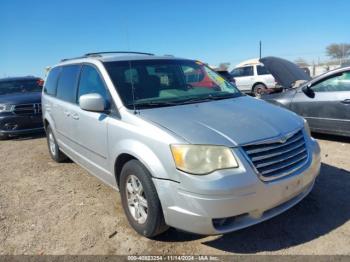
[75,116]
[346,101]
[67,113]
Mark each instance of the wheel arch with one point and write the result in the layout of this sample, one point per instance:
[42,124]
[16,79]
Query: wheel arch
[258,83]
[120,161]
[128,150]
[46,124]
[49,122]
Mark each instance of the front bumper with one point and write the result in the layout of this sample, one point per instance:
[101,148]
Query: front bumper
[20,124]
[223,202]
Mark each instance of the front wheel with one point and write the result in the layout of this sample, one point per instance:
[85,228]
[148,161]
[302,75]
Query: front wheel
[140,200]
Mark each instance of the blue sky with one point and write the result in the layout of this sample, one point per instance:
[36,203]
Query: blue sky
[38,33]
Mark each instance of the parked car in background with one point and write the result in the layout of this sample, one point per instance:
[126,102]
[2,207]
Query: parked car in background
[306,70]
[287,74]
[184,147]
[20,106]
[323,101]
[253,77]
[225,74]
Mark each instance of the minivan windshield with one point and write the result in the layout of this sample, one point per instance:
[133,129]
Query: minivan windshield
[21,86]
[167,82]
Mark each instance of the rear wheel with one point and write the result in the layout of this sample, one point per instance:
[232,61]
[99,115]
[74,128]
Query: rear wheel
[259,89]
[54,149]
[140,200]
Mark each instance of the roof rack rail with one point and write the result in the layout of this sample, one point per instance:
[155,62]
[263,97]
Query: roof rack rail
[99,54]
[117,52]
[73,58]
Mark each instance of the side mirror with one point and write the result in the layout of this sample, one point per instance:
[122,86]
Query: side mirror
[308,91]
[92,102]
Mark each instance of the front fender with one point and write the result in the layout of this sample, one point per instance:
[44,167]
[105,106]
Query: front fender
[146,155]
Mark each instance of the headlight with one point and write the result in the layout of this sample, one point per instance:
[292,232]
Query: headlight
[6,108]
[307,128]
[202,159]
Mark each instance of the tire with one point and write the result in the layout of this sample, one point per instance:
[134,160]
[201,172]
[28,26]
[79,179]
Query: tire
[259,89]
[54,149]
[140,200]
[4,137]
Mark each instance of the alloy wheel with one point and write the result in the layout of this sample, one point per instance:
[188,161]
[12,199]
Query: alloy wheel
[137,202]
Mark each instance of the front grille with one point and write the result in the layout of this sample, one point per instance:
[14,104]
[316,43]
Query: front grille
[28,109]
[273,160]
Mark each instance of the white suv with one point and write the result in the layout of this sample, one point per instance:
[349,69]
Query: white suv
[253,78]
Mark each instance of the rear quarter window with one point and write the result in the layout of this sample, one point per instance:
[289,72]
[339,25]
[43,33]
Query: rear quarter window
[67,83]
[262,70]
[51,81]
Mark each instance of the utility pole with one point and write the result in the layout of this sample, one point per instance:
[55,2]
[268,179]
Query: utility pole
[260,49]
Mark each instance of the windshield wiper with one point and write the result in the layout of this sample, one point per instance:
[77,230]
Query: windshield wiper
[150,104]
[205,99]
[153,104]
[225,96]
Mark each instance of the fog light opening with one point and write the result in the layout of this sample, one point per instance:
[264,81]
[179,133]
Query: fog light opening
[222,223]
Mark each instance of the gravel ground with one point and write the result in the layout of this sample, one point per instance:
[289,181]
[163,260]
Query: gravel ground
[50,208]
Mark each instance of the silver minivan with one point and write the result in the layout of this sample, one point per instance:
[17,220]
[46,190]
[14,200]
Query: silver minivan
[183,146]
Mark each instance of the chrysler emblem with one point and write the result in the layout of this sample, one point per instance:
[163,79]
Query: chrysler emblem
[283,139]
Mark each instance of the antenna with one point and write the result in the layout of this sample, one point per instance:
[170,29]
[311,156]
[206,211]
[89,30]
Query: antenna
[130,68]
[100,54]
[132,88]
[260,49]
[118,52]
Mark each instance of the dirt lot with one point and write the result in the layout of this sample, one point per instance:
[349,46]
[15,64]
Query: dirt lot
[49,208]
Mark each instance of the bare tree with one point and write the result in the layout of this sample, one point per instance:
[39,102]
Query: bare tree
[224,66]
[338,51]
[301,62]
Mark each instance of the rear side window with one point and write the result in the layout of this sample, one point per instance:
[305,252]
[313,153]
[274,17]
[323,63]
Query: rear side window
[262,70]
[67,83]
[248,71]
[91,82]
[51,81]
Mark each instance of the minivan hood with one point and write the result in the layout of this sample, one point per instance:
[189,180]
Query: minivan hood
[21,98]
[228,122]
[284,71]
